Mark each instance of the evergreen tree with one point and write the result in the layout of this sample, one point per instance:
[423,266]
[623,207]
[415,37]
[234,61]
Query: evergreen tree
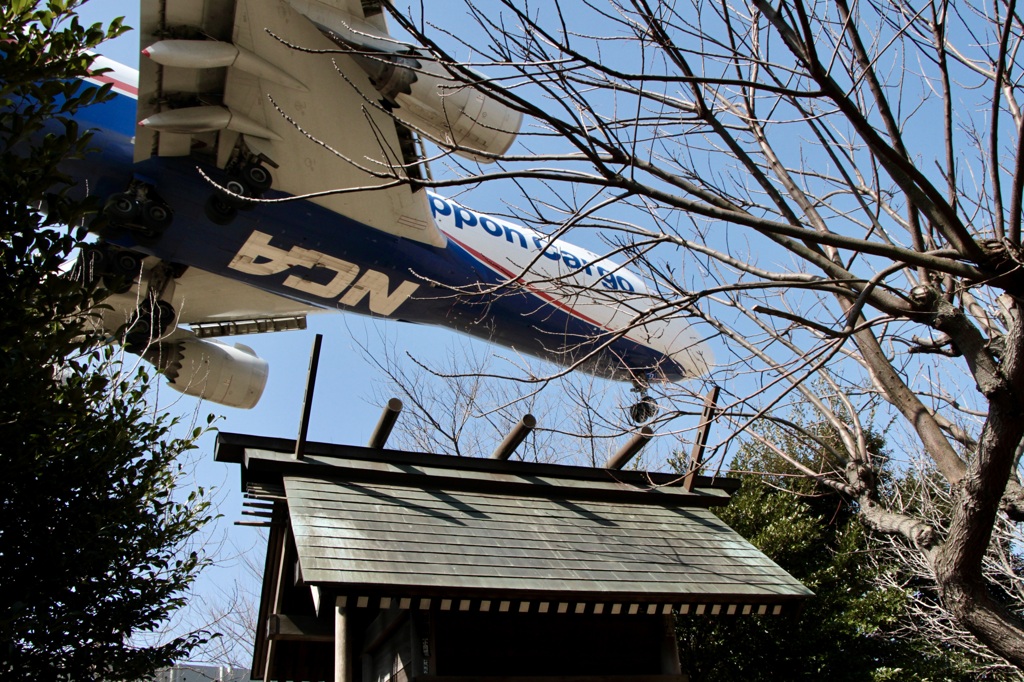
[848,630]
[93,533]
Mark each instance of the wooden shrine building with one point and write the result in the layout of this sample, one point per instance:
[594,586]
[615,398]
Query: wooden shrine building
[385,565]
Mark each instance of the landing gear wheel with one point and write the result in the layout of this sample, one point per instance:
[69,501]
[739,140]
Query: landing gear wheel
[121,208]
[237,187]
[137,335]
[147,325]
[123,268]
[257,178]
[164,316]
[127,264]
[219,211]
[92,264]
[116,268]
[156,217]
[644,410]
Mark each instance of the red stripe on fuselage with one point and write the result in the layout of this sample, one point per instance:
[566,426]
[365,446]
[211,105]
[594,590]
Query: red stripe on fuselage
[540,294]
[119,85]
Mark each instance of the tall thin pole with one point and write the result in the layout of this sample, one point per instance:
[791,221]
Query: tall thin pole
[700,443]
[307,401]
[388,417]
[515,437]
[629,450]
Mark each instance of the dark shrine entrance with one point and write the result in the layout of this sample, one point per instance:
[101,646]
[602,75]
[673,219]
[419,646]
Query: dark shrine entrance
[554,646]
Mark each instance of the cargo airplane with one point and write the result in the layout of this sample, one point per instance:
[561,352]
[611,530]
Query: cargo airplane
[225,109]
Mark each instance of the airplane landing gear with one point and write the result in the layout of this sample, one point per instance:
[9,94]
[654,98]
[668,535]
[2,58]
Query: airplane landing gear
[155,317]
[121,208]
[140,210]
[251,180]
[645,408]
[256,177]
[116,268]
[156,217]
[150,322]
[218,210]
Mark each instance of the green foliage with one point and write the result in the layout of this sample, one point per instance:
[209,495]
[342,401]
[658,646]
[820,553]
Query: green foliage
[93,533]
[42,52]
[846,631]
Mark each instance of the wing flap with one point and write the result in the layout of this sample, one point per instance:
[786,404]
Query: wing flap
[204,299]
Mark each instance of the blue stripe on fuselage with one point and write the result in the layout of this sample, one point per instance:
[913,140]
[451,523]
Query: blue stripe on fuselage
[116,114]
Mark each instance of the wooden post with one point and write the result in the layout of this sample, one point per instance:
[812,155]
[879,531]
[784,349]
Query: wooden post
[307,401]
[516,436]
[670,663]
[387,422]
[700,443]
[342,666]
[278,543]
[629,450]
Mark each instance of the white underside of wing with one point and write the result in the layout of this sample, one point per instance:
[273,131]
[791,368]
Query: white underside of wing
[200,297]
[337,144]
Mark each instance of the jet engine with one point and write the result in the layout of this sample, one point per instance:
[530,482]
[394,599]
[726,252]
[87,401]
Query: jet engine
[454,113]
[423,94]
[228,375]
[419,92]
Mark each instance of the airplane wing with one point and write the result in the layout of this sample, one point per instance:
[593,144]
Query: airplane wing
[237,104]
[198,297]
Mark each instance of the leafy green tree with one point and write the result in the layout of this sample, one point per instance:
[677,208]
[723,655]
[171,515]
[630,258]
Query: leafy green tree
[848,630]
[94,535]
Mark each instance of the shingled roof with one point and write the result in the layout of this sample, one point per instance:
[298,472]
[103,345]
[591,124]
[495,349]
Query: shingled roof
[384,528]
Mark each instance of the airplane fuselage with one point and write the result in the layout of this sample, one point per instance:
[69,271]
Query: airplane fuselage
[493,279]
